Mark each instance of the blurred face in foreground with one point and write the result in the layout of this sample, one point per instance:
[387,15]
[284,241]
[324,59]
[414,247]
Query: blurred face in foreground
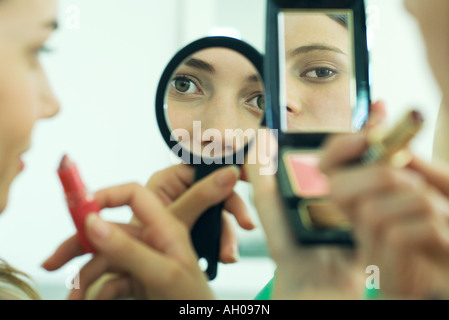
[25,95]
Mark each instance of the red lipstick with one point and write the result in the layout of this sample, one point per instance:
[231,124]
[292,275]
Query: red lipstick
[80,202]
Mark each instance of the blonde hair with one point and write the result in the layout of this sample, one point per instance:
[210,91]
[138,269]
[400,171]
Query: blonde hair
[17,279]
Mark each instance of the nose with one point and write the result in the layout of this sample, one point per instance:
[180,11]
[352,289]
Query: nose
[294,111]
[295,96]
[219,123]
[294,107]
[49,104]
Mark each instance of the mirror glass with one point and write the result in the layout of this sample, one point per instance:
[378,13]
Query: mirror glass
[214,103]
[317,71]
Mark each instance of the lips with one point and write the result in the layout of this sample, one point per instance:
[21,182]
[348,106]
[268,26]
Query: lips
[20,160]
[21,164]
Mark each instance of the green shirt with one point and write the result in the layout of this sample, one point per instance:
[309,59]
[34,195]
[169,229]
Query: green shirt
[267,292]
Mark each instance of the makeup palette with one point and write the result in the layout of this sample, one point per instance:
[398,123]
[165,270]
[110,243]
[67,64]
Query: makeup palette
[304,174]
[305,190]
[308,182]
[322,215]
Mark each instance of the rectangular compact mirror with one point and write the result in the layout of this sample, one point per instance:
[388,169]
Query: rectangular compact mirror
[317,84]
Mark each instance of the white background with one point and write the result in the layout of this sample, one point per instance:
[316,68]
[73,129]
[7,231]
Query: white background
[105,74]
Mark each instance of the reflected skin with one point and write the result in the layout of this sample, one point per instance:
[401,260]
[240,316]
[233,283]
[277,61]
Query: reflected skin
[318,74]
[222,89]
[25,95]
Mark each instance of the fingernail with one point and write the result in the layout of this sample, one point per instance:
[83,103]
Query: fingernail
[251,225]
[229,176]
[99,228]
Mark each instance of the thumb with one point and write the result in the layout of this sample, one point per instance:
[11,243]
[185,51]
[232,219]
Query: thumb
[435,173]
[267,199]
[339,150]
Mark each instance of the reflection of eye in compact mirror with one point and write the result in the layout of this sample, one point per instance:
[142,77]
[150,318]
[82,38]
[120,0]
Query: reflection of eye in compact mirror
[317,84]
[210,105]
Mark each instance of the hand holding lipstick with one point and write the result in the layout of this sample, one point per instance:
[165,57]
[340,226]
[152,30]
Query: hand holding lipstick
[400,217]
[157,257]
[153,261]
[183,201]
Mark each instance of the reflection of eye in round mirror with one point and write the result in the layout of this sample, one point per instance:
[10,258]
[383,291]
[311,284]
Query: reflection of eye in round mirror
[318,74]
[214,102]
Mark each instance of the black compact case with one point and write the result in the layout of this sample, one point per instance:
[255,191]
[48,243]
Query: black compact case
[300,150]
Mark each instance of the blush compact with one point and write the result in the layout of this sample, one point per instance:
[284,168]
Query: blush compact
[317,84]
[304,175]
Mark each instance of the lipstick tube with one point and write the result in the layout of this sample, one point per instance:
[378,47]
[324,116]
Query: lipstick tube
[392,146]
[79,201]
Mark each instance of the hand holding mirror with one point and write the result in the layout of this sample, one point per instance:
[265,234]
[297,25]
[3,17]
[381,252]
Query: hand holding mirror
[316,75]
[209,106]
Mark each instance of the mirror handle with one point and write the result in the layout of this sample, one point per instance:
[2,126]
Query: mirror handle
[206,232]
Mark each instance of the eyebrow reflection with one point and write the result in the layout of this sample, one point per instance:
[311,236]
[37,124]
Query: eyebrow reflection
[200,64]
[205,66]
[253,78]
[307,49]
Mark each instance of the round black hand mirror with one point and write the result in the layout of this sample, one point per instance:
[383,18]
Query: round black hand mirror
[209,107]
